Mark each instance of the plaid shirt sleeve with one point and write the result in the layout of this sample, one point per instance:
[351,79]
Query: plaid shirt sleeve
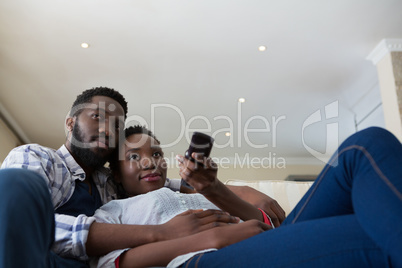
[71,236]
[71,232]
[31,157]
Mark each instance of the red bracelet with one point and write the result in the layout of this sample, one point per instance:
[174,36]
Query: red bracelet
[117,262]
[267,219]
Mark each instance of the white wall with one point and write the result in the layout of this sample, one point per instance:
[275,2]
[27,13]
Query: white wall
[8,140]
[369,110]
[247,174]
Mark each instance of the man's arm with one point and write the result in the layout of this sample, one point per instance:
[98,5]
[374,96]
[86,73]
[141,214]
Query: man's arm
[105,237]
[161,253]
[71,232]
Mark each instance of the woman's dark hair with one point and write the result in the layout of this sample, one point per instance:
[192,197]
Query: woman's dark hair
[87,95]
[137,129]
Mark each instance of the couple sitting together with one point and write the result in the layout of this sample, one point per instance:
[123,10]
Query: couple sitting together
[349,217]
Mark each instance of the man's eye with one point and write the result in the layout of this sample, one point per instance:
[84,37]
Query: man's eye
[99,116]
[134,157]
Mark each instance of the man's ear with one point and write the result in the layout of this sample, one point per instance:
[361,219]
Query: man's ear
[70,121]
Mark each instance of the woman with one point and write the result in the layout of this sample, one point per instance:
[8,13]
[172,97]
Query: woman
[141,173]
[350,217]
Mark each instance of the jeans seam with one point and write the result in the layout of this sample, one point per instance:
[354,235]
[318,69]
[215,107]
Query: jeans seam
[198,260]
[189,261]
[373,165]
[311,194]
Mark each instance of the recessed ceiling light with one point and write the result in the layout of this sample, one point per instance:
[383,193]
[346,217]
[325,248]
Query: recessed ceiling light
[227,134]
[85,45]
[242,100]
[262,48]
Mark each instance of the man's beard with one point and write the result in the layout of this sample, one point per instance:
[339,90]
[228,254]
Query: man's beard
[85,155]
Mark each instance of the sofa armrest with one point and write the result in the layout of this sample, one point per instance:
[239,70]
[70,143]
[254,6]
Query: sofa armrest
[286,193]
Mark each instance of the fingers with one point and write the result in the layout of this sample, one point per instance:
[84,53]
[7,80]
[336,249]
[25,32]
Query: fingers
[265,227]
[185,169]
[280,212]
[211,218]
[205,161]
[200,161]
[190,211]
[259,225]
[273,216]
[212,215]
[277,214]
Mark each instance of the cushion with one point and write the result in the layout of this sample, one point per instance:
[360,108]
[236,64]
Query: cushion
[286,193]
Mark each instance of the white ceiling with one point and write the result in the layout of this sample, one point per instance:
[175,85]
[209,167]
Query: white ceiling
[195,59]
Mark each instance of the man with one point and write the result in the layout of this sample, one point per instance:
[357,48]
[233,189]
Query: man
[33,233]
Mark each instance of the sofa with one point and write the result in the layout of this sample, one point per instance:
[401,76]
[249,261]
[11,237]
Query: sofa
[286,193]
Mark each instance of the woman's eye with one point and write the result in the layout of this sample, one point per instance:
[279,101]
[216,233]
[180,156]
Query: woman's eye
[134,157]
[157,154]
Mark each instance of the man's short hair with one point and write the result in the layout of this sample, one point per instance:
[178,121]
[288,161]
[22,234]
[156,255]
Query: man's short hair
[87,95]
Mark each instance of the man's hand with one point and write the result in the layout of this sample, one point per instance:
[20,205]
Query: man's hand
[195,221]
[260,200]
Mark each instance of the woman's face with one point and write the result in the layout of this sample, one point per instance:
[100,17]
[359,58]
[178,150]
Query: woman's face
[143,168]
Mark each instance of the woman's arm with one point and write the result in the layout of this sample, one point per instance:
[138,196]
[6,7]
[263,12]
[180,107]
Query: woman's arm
[105,237]
[161,253]
[202,175]
[260,200]
[252,196]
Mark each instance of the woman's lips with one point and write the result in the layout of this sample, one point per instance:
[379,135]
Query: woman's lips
[151,177]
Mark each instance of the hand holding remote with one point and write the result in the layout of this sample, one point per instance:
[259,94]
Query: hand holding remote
[196,168]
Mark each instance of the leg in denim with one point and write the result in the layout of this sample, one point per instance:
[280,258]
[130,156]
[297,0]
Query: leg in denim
[350,217]
[26,219]
[27,222]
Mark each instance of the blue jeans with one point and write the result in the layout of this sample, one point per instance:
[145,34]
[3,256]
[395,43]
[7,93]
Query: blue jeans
[27,222]
[350,217]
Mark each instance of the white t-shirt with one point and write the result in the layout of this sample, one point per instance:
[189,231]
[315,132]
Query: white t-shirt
[156,207]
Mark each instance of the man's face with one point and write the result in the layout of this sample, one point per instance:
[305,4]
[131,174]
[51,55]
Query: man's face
[95,134]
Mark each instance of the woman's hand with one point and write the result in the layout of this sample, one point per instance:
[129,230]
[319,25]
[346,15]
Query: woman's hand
[227,235]
[161,253]
[200,174]
[260,200]
[195,221]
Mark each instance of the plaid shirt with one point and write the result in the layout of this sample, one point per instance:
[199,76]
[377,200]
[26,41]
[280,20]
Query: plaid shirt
[60,171]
